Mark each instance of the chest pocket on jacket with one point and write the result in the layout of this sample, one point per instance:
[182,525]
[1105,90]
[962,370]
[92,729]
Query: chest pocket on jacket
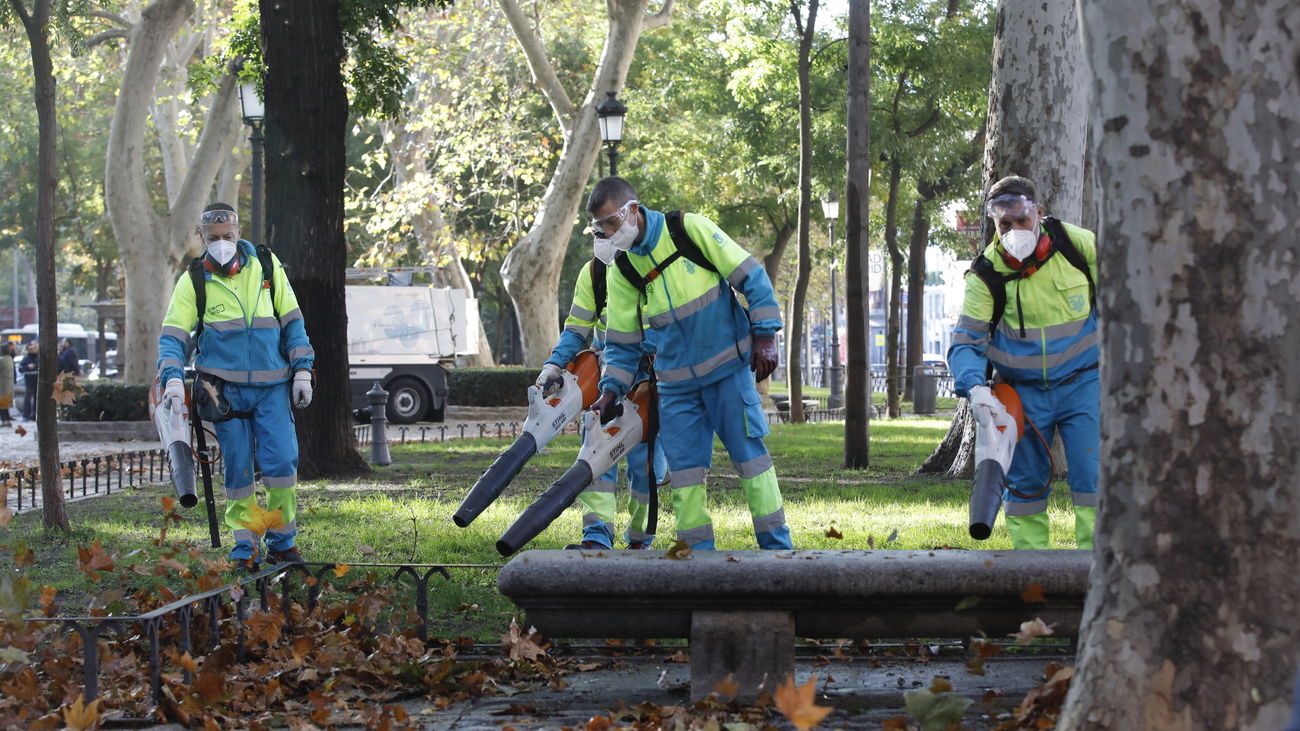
[1072,287]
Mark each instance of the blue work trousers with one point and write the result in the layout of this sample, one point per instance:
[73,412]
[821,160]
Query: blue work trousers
[1074,409]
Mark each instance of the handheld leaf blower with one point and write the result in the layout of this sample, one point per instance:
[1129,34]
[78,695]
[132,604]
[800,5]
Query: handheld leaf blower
[549,411]
[602,447]
[174,433]
[995,444]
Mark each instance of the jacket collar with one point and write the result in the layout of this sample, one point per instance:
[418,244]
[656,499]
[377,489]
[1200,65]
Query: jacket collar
[654,226]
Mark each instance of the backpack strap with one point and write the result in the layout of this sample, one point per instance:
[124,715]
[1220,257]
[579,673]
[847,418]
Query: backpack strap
[200,296]
[598,289]
[685,244]
[268,273]
[1061,242]
[996,283]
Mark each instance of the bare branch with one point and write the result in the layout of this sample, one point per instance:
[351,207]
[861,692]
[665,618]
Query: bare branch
[219,131]
[661,18]
[539,63]
[107,35]
[110,17]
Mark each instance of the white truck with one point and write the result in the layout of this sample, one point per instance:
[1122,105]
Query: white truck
[403,337]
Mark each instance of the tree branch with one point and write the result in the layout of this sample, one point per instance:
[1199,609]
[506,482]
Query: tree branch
[659,19]
[928,123]
[930,189]
[107,35]
[540,65]
[214,142]
[110,17]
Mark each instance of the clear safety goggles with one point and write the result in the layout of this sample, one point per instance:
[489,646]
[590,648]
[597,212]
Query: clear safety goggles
[211,217]
[1010,205]
[601,226]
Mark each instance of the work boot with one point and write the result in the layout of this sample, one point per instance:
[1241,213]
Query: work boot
[246,557]
[1029,531]
[586,546]
[1085,526]
[638,546]
[288,555]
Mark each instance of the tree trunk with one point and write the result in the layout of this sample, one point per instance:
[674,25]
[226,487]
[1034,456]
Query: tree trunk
[955,455]
[154,247]
[1190,621]
[857,387]
[920,241]
[531,271]
[54,516]
[772,259]
[306,124]
[896,265]
[1038,103]
[794,367]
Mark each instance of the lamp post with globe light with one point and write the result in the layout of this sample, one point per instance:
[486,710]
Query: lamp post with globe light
[611,113]
[253,110]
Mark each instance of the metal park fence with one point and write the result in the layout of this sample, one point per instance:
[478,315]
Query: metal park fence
[89,476]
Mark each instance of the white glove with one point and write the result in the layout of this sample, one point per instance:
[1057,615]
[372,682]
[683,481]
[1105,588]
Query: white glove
[550,372]
[173,398]
[301,389]
[985,405]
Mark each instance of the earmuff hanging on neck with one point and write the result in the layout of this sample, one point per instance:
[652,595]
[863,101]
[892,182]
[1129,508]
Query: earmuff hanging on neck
[1041,251]
[229,269]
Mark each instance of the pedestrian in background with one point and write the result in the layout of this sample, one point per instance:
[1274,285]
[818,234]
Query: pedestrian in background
[69,361]
[31,360]
[6,382]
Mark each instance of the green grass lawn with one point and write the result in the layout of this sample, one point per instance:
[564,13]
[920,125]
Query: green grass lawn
[403,512]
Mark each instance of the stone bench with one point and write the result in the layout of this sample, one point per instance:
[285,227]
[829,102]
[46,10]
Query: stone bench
[741,610]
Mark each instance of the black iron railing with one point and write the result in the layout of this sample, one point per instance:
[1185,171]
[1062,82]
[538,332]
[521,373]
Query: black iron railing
[447,432]
[232,601]
[89,476]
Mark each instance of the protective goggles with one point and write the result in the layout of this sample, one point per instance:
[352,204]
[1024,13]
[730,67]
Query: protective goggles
[211,217]
[1009,205]
[601,226]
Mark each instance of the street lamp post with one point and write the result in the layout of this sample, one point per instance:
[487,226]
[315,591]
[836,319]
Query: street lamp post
[611,113]
[253,110]
[831,209]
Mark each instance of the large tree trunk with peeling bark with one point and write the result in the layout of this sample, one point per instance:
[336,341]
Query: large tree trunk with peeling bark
[155,247]
[1037,123]
[857,387]
[531,271]
[1191,619]
[306,125]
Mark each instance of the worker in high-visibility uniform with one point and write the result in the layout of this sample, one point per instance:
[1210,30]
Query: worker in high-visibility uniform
[709,350]
[1045,345]
[256,354]
[586,323]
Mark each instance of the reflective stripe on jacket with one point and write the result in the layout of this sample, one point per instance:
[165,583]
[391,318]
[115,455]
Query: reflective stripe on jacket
[1060,327]
[243,340]
[697,328]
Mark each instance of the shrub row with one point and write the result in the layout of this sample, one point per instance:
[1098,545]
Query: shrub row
[500,386]
[110,401]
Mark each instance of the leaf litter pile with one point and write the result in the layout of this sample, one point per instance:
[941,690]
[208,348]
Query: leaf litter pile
[342,663]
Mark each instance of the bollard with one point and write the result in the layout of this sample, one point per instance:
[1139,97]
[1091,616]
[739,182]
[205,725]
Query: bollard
[378,425]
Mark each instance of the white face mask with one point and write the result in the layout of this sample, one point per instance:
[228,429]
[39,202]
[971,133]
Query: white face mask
[222,250]
[1019,243]
[604,250]
[623,238]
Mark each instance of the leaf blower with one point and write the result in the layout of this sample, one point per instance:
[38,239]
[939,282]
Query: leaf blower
[996,437]
[174,433]
[602,447]
[550,409]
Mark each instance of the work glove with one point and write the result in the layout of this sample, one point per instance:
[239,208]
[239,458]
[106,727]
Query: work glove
[173,398]
[762,359]
[550,372]
[986,407]
[301,397]
[608,406]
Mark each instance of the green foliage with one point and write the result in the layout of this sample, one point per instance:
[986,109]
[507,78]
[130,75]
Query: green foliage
[500,386]
[111,401]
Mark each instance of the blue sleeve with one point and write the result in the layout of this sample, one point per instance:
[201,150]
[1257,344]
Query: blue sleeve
[621,361]
[293,335]
[968,364]
[171,358]
[568,346]
[764,312]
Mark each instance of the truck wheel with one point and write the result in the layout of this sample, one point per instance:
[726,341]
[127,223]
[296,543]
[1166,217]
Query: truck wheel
[406,401]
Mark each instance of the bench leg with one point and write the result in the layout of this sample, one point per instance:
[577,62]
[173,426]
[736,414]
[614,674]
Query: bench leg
[755,648]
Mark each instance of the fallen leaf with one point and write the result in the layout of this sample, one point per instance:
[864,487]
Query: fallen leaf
[168,502]
[832,533]
[940,685]
[936,711]
[871,541]
[12,655]
[679,550]
[264,626]
[797,703]
[171,563]
[522,646]
[727,687]
[365,549]
[678,656]
[969,602]
[988,563]
[897,723]
[92,560]
[1031,629]
[1033,594]
[20,431]
[341,570]
[261,520]
[80,716]
[892,536]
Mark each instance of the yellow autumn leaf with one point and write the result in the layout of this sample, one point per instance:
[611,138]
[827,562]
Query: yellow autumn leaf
[341,569]
[80,716]
[260,520]
[797,703]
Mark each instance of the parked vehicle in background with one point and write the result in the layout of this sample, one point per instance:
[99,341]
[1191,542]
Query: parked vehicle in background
[405,337]
[86,342]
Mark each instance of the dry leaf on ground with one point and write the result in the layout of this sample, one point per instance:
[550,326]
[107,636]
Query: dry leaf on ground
[797,703]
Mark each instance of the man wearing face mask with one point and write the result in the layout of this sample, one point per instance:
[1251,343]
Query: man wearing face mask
[586,323]
[1029,315]
[680,273]
[254,361]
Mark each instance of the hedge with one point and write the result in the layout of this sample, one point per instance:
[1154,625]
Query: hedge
[500,386]
[110,401]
